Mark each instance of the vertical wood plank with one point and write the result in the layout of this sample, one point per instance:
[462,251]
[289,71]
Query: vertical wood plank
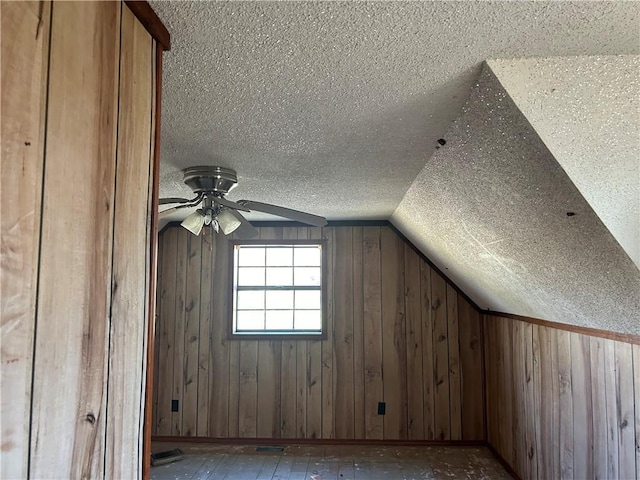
[613,432]
[24,58]
[157,329]
[394,346]
[599,408]
[358,335]
[204,334]
[414,347]
[555,413]
[517,395]
[440,357]
[507,440]
[328,352]
[455,407]
[343,374]
[234,390]
[566,404]
[471,371]
[72,344]
[582,408]
[543,440]
[224,367]
[179,333]
[268,387]
[626,416]
[548,441]
[130,268]
[248,397]
[428,373]
[490,346]
[530,450]
[314,371]
[373,387]
[288,391]
[314,389]
[166,321]
[191,339]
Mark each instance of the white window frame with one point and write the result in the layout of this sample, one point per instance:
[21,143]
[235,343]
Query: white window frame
[263,334]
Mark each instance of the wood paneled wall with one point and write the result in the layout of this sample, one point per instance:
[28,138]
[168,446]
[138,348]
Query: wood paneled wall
[397,332]
[562,404]
[76,213]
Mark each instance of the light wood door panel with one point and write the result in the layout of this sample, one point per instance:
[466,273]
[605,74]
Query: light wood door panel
[76,253]
[24,56]
[131,242]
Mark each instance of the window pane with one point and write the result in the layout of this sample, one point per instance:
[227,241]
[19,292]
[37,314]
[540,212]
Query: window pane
[281,276]
[307,256]
[249,320]
[308,299]
[279,257]
[249,276]
[307,276]
[251,257]
[308,320]
[250,300]
[280,299]
[279,319]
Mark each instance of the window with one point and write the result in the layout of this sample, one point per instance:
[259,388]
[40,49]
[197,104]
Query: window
[278,288]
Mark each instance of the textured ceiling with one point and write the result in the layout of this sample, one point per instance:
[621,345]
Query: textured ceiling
[334,107]
[491,208]
[587,112]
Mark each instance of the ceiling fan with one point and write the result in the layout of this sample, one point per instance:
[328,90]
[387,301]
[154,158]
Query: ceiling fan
[210,185]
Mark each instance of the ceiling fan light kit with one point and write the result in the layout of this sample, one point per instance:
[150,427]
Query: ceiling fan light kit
[211,184]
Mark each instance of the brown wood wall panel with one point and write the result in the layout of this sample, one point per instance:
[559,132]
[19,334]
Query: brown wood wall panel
[414,349]
[394,355]
[373,391]
[385,339]
[24,57]
[561,404]
[440,352]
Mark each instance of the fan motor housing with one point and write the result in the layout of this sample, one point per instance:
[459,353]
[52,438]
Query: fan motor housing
[205,179]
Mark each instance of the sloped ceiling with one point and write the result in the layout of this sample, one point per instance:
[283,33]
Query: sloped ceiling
[501,216]
[587,112]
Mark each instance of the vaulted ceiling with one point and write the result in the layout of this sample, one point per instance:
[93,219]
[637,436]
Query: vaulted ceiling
[335,108]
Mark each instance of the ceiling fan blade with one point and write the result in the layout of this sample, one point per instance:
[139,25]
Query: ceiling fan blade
[296,215]
[166,212]
[245,230]
[165,201]
[229,204]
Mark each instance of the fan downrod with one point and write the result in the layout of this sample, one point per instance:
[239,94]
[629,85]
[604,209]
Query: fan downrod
[206,179]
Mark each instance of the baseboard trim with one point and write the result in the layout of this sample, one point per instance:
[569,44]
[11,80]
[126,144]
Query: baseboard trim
[502,461]
[321,441]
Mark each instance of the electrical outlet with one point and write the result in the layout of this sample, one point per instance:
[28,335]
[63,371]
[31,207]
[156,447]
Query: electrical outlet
[174,405]
[381,408]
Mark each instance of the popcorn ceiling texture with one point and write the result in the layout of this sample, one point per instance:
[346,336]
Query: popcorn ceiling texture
[334,107]
[490,207]
[587,112]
